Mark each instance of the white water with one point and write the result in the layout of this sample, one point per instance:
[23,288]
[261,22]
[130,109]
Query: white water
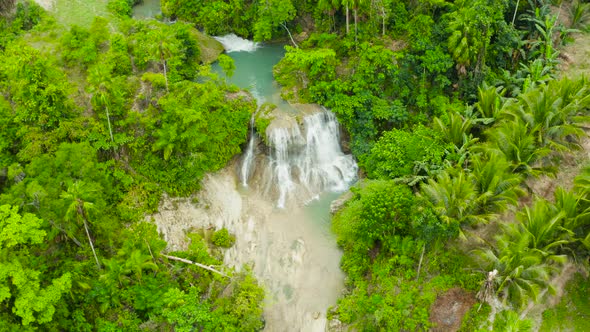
[233,43]
[302,166]
[248,161]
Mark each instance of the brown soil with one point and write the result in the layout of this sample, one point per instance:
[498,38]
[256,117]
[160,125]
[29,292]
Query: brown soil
[449,309]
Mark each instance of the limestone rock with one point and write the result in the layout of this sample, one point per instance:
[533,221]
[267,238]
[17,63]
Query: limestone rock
[210,48]
[339,203]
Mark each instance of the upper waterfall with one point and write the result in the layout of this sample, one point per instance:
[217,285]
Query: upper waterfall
[233,43]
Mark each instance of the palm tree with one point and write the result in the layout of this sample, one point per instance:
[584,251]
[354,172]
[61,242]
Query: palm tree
[167,140]
[78,196]
[543,223]
[454,197]
[521,273]
[163,49]
[101,87]
[517,142]
[497,185]
[329,6]
[582,184]
[137,262]
[576,213]
[346,4]
[580,15]
[554,123]
[456,130]
[490,102]
[509,321]
[356,5]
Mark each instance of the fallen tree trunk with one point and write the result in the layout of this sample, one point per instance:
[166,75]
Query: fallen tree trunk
[208,268]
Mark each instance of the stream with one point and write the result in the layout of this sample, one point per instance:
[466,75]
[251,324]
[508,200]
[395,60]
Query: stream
[275,200]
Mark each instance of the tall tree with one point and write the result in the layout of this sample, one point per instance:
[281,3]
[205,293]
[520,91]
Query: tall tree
[163,48]
[346,4]
[79,195]
[103,92]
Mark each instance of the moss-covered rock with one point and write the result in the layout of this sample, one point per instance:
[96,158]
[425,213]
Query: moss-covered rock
[210,48]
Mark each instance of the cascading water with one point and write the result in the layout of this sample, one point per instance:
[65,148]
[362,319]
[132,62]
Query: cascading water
[233,43]
[314,161]
[248,161]
[324,166]
[280,164]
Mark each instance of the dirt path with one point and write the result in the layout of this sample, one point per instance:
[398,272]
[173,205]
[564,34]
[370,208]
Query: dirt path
[576,57]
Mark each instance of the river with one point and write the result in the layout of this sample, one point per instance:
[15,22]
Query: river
[280,215]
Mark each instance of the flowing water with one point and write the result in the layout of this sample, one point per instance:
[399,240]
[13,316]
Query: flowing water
[249,155]
[147,9]
[276,201]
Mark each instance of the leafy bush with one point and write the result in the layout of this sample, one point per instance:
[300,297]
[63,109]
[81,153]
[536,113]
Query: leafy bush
[222,238]
[121,8]
[401,153]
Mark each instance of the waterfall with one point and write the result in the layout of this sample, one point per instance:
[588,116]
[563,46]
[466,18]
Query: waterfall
[233,43]
[307,164]
[280,165]
[323,166]
[248,161]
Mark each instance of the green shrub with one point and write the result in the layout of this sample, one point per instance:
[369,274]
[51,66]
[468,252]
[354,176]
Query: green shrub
[121,8]
[222,238]
[401,153]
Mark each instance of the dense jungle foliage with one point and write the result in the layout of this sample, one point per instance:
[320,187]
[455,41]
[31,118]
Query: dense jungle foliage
[451,109]
[94,127]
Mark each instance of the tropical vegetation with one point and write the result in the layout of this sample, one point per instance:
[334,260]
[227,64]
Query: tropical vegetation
[452,109]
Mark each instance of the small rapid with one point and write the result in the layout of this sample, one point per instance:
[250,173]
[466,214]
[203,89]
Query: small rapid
[233,43]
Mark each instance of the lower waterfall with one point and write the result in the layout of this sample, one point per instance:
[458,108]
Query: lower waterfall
[305,163]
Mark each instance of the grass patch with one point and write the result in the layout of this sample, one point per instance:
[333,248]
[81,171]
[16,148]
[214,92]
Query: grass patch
[573,312]
[80,12]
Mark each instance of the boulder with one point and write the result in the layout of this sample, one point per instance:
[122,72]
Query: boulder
[339,203]
[210,48]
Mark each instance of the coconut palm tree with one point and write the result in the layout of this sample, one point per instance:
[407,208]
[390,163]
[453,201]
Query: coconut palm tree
[346,4]
[509,321]
[456,130]
[163,49]
[101,87]
[554,123]
[78,196]
[454,197]
[136,262]
[517,142]
[355,8]
[497,185]
[543,224]
[521,273]
[490,101]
